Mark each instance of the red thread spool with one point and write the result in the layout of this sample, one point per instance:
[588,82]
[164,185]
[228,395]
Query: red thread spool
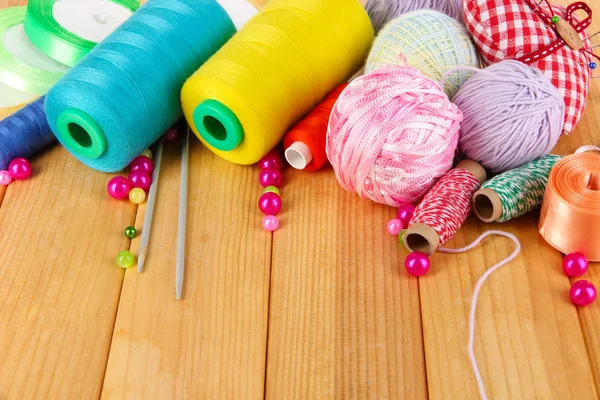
[305,143]
[445,208]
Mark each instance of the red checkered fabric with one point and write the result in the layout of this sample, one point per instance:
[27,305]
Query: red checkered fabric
[510,29]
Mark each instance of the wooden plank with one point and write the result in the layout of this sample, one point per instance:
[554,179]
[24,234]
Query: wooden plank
[343,322]
[212,343]
[59,285]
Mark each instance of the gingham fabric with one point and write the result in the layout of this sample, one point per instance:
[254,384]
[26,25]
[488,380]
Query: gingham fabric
[510,29]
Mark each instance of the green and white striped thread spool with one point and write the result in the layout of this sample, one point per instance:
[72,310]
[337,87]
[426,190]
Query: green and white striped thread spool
[514,193]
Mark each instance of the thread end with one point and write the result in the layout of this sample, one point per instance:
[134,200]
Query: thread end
[81,133]
[487,205]
[423,238]
[218,125]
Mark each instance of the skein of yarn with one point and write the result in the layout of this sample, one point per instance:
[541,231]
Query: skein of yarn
[383,11]
[512,115]
[430,41]
[514,193]
[24,133]
[570,217]
[125,94]
[274,71]
[392,134]
[305,143]
[445,208]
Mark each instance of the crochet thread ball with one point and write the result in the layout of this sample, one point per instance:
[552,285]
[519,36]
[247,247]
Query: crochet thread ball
[382,11]
[512,115]
[431,42]
[392,134]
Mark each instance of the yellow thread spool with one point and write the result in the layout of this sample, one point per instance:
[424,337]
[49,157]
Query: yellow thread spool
[272,72]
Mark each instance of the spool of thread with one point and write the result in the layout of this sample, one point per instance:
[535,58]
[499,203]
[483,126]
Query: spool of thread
[570,217]
[305,143]
[512,115]
[24,133]
[514,193]
[430,41]
[383,11]
[67,30]
[125,94]
[392,134]
[445,208]
[274,71]
[22,66]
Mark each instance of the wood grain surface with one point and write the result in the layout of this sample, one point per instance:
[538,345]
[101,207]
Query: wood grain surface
[321,309]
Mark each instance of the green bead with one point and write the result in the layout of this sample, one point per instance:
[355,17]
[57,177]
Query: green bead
[272,189]
[130,232]
[555,19]
[401,236]
[125,259]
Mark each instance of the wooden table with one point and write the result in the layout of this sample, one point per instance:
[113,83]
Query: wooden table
[320,309]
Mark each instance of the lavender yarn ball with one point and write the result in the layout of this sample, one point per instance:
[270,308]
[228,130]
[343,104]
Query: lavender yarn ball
[383,11]
[512,115]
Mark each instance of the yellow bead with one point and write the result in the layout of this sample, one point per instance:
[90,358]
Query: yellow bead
[147,153]
[137,196]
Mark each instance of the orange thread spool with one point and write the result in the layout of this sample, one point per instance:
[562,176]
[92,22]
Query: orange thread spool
[305,143]
[570,218]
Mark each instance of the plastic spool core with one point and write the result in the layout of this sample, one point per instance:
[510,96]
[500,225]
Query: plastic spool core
[422,238]
[298,155]
[81,133]
[487,205]
[218,125]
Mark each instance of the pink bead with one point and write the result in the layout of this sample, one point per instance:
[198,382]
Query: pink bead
[5,178]
[271,160]
[140,179]
[269,203]
[270,177]
[417,263]
[405,213]
[119,187]
[575,264]
[270,223]
[395,226]
[19,169]
[583,293]
[171,135]
[142,163]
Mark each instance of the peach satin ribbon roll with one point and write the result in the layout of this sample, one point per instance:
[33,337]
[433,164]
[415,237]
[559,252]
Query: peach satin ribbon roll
[570,218]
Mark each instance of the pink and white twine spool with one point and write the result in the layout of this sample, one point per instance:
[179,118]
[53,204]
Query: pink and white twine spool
[392,134]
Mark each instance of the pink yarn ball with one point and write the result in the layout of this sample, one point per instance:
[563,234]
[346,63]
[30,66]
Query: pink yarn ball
[5,178]
[583,293]
[119,187]
[19,169]
[269,203]
[417,263]
[142,163]
[395,226]
[270,223]
[271,160]
[270,177]
[392,134]
[406,212]
[575,264]
[140,179]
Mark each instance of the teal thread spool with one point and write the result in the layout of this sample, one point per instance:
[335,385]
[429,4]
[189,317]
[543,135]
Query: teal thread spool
[514,193]
[120,98]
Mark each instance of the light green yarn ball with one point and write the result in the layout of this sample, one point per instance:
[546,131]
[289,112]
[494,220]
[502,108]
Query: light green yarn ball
[431,42]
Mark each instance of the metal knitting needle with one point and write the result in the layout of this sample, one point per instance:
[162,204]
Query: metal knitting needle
[150,207]
[181,224]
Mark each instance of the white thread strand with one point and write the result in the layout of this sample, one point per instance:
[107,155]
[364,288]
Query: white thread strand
[478,286]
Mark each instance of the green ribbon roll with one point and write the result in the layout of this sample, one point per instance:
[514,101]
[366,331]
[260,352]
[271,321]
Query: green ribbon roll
[22,65]
[55,40]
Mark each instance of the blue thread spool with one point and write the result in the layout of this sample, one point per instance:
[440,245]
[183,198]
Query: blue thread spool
[24,133]
[120,98]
